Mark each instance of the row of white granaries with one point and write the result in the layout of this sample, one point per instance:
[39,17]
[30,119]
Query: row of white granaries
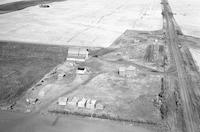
[91,104]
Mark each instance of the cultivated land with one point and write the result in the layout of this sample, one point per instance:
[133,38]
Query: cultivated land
[80,22]
[144,77]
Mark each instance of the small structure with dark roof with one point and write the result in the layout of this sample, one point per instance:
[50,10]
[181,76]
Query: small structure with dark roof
[81,70]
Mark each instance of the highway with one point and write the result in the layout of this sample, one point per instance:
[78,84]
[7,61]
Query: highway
[183,77]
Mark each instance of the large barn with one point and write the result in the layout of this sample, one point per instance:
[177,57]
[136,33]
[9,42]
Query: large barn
[77,54]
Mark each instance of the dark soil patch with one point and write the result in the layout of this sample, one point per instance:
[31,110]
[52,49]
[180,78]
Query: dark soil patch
[19,5]
[22,65]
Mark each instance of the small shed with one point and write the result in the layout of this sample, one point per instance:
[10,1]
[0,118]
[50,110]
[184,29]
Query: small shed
[122,71]
[82,103]
[62,100]
[131,68]
[77,54]
[81,70]
[127,71]
[131,71]
[73,101]
[91,104]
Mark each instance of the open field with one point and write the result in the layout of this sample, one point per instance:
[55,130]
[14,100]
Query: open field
[21,66]
[50,123]
[187,15]
[80,22]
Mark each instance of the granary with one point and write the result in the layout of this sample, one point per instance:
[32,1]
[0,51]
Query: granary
[127,71]
[82,103]
[73,101]
[91,104]
[99,106]
[62,100]
[131,71]
[77,54]
[81,70]
[122,71]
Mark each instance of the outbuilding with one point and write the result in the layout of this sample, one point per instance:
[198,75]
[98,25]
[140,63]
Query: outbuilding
[131,71]
[122,71]
[81,70]
[127,71]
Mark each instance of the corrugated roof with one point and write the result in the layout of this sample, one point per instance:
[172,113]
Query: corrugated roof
[83,51]
[77,51]
[73,51]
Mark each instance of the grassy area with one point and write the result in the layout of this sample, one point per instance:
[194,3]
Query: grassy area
[23,65]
